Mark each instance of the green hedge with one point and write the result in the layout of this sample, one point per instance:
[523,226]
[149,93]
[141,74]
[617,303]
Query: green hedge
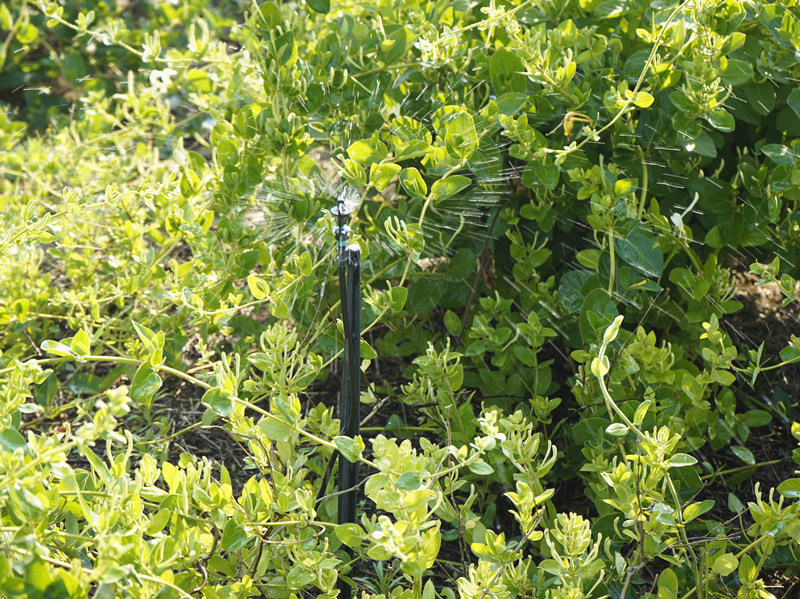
[556,200]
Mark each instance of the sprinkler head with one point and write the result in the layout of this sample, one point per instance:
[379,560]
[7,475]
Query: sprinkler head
[341,211]
[342,231]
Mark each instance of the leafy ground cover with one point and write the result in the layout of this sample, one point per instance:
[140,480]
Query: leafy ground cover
[579,232]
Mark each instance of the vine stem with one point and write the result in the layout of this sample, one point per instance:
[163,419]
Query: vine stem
[738,556]
[612,257]
[490,21]
[109,40]
[742,468]
[303,432]
[90,571]
[613,406]
[119,359]
[629,101]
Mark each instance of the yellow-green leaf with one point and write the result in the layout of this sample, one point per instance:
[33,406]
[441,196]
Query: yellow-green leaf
[80,344]
[382,174]
[643,99]
[725,564]
[258,287]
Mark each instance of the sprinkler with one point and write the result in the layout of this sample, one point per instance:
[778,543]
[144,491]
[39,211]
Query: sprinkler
[349,258]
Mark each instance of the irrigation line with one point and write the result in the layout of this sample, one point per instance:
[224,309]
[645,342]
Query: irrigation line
[349,397]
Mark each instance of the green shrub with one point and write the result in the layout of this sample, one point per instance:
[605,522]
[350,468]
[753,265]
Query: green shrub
[555,201]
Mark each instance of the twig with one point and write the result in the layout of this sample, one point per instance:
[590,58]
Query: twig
[33,343]
[374,411]
[786,595]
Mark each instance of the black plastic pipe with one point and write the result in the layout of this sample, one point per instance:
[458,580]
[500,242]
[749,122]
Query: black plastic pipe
[351,389]
[349,257]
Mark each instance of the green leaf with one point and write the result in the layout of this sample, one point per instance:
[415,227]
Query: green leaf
[368,152]
[613,8]
[159,521]
[287,52]
[416,499]
[145,382]
[56,348]
[397,298]
[507,72]
[695,510]
[721,119]
[683,102]
[643,100]
[761,97]
[449,186]
[19,308]
[540,175]
[11,440]
[320,6]
[367,352]
[570,288]
[425,295]
[27,34]
[623,187]
[689,283]
[219,400]
[350,534]
[480,468]
[275,429]
[98,465]
[270,13]
[349,448]
[789,353]
[198,81]
[258,287]
[408,481]
[725,564]
[80,344]
[452,323]
[354,173]
[743,454]
[305,263]
[679,460]
[413,183]
[747,570]
[793,100]
[233,536]
[641,412]
[667,585]
[411,150]
[617,429]
[85,383]
[779,154]
[736,72]
[790,488]
[382,174]
[461,266]
[735,504]
[405,130]
[280,309]
[597,312]
[461,138]
[146,336]
[227,153]
[703,145]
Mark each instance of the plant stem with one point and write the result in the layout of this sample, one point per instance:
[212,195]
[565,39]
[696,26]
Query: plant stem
[612,257]
[742,468]
[738,556]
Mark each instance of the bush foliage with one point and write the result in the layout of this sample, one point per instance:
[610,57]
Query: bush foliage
[555,201]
